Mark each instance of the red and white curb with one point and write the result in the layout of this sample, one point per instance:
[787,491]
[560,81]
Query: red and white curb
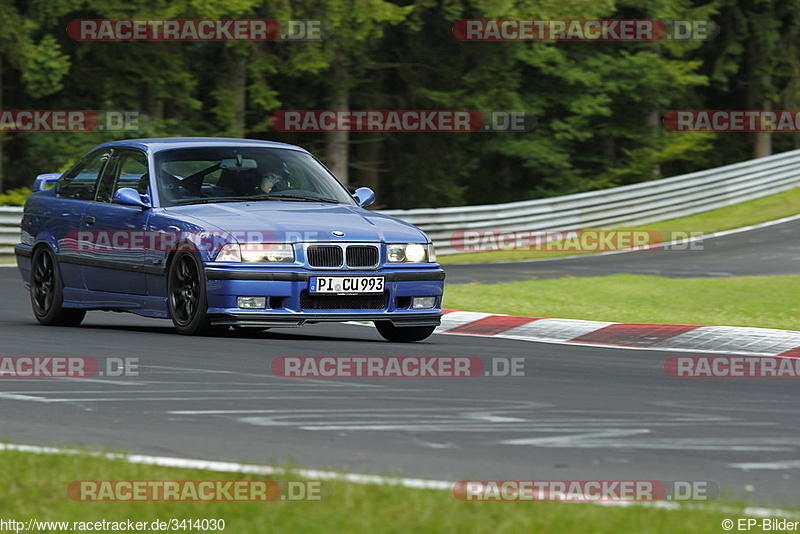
[663,337]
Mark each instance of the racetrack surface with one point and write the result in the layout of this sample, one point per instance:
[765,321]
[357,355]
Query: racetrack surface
[579,413]
[768,250]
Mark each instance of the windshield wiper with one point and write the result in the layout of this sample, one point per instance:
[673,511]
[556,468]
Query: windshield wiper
[278,196]
[257,197]
[210,200]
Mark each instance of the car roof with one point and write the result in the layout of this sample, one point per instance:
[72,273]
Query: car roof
[157,144]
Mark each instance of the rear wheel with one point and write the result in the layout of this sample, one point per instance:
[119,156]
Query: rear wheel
[47,292]
[187,299]
[403,334]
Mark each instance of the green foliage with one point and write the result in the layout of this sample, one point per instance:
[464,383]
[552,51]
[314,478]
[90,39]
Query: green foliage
[599,104]
[45,67]
[15,197]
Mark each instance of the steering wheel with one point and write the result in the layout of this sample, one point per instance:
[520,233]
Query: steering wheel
[279,184]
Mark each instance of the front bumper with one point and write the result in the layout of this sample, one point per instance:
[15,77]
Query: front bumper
[290,304]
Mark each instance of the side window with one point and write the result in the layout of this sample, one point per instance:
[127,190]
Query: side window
[127,168]
[80,182]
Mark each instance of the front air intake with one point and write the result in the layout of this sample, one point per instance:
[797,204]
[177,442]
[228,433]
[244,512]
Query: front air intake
[325,256]
[362,256]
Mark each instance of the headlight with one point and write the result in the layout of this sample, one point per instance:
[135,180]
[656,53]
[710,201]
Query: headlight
[415,253]
[411,253]
[230,252]
[256,253]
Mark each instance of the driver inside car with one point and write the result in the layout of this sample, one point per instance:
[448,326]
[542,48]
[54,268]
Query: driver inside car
[272,182]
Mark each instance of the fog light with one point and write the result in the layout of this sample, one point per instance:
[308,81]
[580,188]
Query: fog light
[251,302]
[423,302]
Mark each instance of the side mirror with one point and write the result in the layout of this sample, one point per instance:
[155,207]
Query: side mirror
[128,196]
[364,196]
[45,181]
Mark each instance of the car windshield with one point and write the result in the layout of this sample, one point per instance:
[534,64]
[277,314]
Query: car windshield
[235,174]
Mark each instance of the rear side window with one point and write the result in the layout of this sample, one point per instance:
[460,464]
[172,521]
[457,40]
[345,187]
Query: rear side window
[80,182]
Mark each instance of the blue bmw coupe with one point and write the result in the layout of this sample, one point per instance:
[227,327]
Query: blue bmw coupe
[213,233]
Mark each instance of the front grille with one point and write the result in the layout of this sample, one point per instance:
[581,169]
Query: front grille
[343,302]
[362,256]
[325,256]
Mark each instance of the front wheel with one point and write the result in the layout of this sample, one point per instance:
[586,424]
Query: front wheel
[187,299]
[403,334]
[47,292]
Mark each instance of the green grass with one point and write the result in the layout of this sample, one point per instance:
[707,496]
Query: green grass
[35,487]
[744,214]
[762,301]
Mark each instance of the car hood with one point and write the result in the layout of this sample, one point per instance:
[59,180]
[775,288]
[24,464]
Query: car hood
[300,221]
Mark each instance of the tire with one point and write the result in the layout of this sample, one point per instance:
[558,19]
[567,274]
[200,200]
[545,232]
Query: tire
[403,334]
[186,296]
[47,292]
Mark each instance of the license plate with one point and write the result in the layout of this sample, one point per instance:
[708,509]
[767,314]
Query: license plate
[346,284]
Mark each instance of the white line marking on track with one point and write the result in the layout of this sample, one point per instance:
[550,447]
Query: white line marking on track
[109,381]
[296,380]
[676,242]
[605,440]
[29,398]
[234,467]
[315,474]
[315,411]
[771,466]
[191,370]
[149,399]
[432,445]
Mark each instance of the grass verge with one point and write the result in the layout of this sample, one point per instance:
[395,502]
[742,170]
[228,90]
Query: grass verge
[35,487]
[762,301]
[744,214]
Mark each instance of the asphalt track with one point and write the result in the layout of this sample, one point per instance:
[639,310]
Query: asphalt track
[769,250]
[578,413]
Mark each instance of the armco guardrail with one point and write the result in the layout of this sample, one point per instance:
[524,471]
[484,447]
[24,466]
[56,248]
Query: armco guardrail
[9,231]
[643,203]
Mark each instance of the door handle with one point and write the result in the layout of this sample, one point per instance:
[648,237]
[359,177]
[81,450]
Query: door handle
[88,220]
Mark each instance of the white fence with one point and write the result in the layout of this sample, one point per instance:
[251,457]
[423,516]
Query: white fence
[636,204]
[9,231]
[642,203]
